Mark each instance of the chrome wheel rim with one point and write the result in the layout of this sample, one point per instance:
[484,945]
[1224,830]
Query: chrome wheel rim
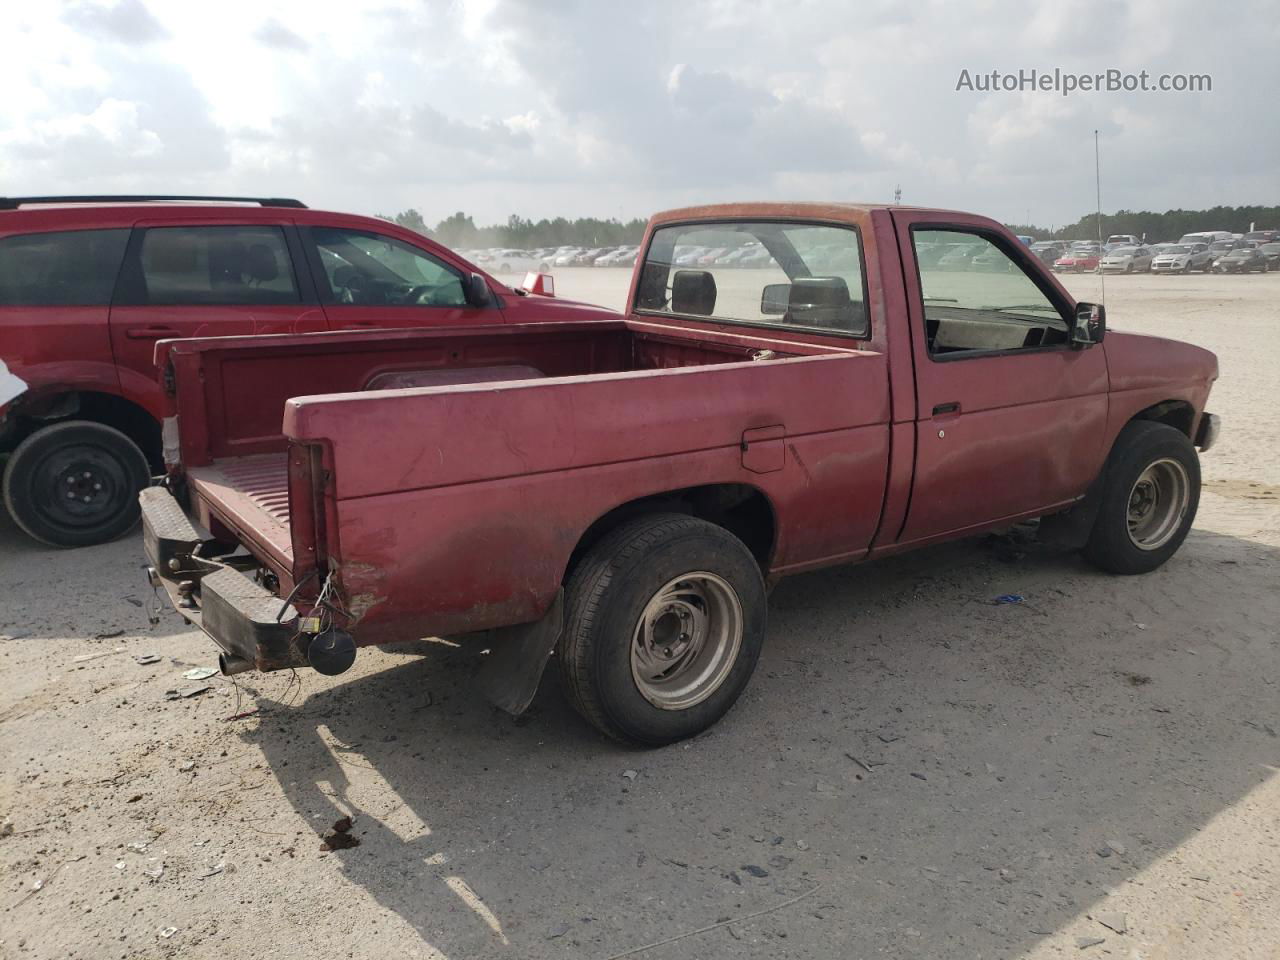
[1157,503]
[686,640]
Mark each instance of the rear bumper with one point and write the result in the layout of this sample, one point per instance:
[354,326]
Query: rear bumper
[252,626]
[1207,432]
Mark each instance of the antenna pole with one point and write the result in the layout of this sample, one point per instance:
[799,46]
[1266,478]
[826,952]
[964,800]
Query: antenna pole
[1097,178]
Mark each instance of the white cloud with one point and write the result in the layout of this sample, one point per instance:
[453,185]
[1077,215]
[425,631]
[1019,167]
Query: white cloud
[577,107]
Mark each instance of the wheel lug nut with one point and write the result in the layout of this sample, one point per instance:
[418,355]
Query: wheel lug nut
[71,479]
[71,495]
[86,499]
[97,486]
[87,474]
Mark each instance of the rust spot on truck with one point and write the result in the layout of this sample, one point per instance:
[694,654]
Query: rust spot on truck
[364,583]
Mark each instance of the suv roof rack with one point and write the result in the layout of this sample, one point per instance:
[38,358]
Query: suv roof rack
[13,203]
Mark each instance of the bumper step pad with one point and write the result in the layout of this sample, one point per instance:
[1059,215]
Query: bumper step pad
[246,620]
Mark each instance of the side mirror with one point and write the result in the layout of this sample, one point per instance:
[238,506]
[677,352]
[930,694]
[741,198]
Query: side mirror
[775,299]
[477,291]
[1091,324]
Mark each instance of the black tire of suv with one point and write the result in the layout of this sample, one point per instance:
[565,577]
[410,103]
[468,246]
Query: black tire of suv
[1142,444]
[54,469]
[609,591]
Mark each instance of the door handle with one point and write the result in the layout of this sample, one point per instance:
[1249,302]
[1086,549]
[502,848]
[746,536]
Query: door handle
[151,333]
[952,407]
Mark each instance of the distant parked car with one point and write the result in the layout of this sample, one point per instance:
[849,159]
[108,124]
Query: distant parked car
[758,257]
[1183,258]
[688,256]
[711,256]
[516,261]
[1272,252]
[1123,240]
[1077,261]
[1220,248]
[566,258]
[1126,260]
[1047,251]
[1241,260]
[993,259]
[622,257]
[959,255]
[1263,236]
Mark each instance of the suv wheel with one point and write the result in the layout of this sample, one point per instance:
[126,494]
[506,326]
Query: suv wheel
[665,618]
[75,483]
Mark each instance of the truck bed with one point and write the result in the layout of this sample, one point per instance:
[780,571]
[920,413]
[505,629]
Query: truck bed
[248,494]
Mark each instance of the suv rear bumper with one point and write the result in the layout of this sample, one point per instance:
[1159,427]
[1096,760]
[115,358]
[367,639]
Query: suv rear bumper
[252,626]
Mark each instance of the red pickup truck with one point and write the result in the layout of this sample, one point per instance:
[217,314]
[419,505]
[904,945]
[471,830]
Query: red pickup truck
[88,285]
[622,493]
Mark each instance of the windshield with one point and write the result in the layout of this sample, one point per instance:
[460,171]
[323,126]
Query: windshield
[1123,252]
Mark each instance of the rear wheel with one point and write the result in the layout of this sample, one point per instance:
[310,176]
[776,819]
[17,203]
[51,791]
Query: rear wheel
[1148,501]
[75,483]
[665,619]
[543,268]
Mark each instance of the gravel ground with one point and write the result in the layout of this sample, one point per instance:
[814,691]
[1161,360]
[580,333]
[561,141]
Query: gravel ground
[913,772]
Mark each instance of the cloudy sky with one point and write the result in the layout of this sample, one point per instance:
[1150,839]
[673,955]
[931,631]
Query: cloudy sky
[602,108]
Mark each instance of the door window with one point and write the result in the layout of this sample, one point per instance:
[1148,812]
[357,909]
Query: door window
[978,299]
[217,265]
[373,270]
[73,268]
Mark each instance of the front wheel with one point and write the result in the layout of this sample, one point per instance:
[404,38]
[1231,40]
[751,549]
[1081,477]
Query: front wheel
[1149,498]
[75,483]
[664,622]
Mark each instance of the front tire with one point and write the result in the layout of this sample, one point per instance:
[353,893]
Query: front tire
[664,622]
[1149,499]
[75,483]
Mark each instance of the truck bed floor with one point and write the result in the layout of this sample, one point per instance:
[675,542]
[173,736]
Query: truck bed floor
[252,494]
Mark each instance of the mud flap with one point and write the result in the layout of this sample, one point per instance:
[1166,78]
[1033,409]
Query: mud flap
[517,656]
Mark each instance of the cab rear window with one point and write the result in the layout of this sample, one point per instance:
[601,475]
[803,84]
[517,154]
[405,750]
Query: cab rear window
[762,273]
[73,268]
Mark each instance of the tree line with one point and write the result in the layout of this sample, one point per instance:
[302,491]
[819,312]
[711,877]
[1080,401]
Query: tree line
[460,230]
[1157,227]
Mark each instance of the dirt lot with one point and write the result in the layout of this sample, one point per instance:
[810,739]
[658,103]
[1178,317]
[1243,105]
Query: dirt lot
[913,772]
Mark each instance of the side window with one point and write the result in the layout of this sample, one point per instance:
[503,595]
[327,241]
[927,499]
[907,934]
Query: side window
[373,270]
[978,299]
[217,265]
[75,268]
[766,273]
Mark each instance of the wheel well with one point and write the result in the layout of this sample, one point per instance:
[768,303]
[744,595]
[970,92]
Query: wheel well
[741,509]
[105,408]
[1176,413]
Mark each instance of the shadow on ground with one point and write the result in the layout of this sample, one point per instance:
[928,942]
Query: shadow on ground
[1023,760]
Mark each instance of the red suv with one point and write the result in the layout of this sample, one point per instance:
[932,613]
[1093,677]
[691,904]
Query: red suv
[89,284]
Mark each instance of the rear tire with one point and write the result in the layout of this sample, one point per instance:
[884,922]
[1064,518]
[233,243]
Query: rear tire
[75,483]
[1149,499]
[664,622]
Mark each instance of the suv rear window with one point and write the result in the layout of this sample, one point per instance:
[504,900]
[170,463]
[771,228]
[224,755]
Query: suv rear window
[217,265]
[74,268]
